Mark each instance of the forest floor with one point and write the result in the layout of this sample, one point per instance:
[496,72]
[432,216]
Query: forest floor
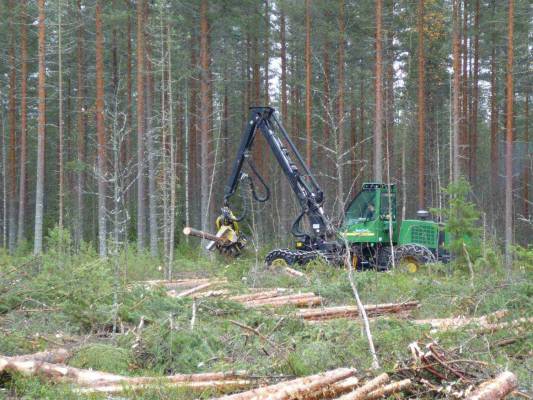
[70,301]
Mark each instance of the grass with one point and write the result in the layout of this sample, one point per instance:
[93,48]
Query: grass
[167,344]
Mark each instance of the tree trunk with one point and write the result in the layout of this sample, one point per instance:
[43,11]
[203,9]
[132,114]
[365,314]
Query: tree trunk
[378,127]
[23,120]
[464,150]
[126,154]
[150,146]
[509,141]
[456,91]
[80,122]
[204,115]
[475,99]
[41,122]
[267,53]
[100,132]
[340,112]
[193,141]
[60,116]
[140,126]
[12,150]
[525,175]
[308,98]
[421,108]
[493,111]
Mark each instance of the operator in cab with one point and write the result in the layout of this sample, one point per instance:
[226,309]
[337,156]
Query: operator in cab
[370,209]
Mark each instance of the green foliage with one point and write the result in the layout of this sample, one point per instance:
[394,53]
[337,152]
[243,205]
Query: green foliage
[462,218]
[103,357]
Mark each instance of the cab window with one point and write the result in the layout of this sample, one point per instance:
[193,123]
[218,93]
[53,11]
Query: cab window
[362,207]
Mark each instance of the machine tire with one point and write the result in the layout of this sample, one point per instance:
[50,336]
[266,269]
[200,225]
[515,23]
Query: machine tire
[410,257]
[280,258]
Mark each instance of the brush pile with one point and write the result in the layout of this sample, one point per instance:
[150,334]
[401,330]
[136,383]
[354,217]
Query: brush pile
[439,373]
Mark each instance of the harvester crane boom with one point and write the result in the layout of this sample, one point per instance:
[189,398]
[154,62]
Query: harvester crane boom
[263,120]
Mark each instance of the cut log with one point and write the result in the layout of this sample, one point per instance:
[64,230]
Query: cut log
[95,379]
[259,295]
[389,389]
[293,272]
[517,324]
[335,389]
[190,292]
[56,356]
[458,322]
[299,300]
[352,311]
[172,284]
[496,388]
[369,387]
[210,293]
[294,389]
[219,386]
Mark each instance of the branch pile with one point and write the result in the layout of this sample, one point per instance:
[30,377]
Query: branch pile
[327,313]
[438,373]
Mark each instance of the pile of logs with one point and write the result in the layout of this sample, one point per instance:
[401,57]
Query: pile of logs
[430,373]
[328,313]
[50,365]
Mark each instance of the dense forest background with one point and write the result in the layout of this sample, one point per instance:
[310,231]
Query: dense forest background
[120,119]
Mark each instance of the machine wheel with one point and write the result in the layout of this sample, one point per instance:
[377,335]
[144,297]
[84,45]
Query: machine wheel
[287,257]
[280,258]
[410,257]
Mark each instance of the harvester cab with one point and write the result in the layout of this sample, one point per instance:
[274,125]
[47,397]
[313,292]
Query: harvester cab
[371,214]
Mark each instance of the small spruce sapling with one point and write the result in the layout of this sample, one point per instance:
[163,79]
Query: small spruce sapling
[461,222]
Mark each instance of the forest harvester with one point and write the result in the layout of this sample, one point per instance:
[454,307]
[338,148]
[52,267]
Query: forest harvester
[368,234]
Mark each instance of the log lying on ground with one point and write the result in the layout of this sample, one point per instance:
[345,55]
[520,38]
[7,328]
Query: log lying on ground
[299,300]
[210,293]
[98,381]
[293,272]
[219,386]
[387,390]
[56,356]
[458,322]
[516,324]
[370,386]
[496,388]
[335,389]
[173,284]
[264,294]
[352,311]
[297,388]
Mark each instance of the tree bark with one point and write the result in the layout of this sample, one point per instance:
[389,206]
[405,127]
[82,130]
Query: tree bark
[204,115]
[41,121]
[267,53]
[493,110]
[340,112]
[456,92]
[150,145]
[465,131]
[509,141]
[378,127]
[80,122]
[475,99]
[308,98]
[525,175]
[497,388]
[100,132]
[12,148]
[23,120]
[421,108]
[60,116]
[141,215]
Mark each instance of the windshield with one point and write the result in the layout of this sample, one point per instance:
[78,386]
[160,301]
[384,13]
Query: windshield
[363,206]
